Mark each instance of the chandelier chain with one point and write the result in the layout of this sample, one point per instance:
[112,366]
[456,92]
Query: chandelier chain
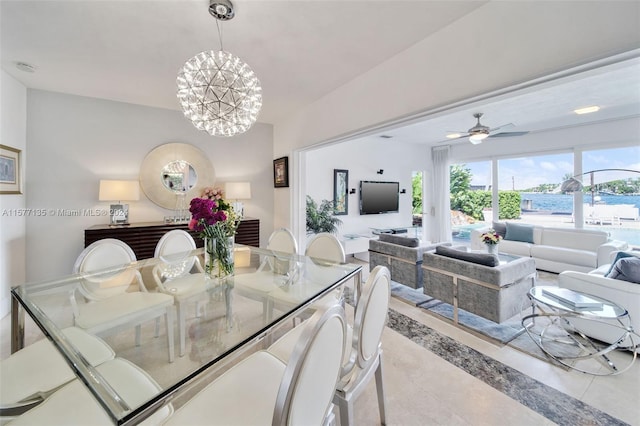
[219,34]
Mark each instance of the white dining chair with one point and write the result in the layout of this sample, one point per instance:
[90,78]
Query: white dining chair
[363,359]
[108,290]
[323,248]
[272,272]
[180,274]
[75,405]
[263,390]
[30,375]
[281,240]
[326,246]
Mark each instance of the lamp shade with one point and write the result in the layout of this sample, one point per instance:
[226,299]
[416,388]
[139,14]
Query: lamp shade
[237,190]
[571,185]
[478,138]
[119,190]
[596,177]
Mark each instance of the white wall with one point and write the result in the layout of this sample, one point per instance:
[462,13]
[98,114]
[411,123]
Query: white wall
[13,131]
[497,46]
[76,141]
[362,158]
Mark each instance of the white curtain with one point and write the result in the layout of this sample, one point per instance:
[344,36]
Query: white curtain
[441,224]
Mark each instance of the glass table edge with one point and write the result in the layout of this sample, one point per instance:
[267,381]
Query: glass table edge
[541,298]
[108,398]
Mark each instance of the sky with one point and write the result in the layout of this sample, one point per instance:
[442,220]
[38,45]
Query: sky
[528,172]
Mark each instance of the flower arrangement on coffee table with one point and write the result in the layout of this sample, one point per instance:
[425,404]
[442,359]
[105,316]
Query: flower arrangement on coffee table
[215,221]
[491,238]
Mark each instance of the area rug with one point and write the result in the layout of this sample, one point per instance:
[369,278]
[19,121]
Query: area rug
[502,333]
[510,332]
[525,343]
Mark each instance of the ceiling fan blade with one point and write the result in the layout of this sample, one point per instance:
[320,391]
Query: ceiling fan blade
[507,134]
[462,136]
[500,128]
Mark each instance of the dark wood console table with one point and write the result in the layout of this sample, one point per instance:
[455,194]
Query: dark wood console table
[142,237]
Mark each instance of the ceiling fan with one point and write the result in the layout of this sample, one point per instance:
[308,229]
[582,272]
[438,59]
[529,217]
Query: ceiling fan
[480,132]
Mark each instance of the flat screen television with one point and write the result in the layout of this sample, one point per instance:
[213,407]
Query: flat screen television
[379,197]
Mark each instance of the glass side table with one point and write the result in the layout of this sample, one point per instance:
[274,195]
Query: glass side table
[550,327]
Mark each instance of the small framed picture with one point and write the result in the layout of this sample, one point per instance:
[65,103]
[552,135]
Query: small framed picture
[340,192]
[281,172]
[10,168]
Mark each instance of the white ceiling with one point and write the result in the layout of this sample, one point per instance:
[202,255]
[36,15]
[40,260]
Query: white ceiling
[543,106]
[131,51]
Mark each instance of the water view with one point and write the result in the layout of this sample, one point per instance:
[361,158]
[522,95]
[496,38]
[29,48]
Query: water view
[562,204]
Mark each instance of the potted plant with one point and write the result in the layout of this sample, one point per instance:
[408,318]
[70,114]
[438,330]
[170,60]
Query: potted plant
[321,218]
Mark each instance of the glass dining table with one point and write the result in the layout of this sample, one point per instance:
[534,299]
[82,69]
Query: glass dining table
[226,320]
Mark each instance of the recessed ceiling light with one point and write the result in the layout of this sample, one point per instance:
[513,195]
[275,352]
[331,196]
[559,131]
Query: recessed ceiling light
[453,135]
[23,66]
[587,110]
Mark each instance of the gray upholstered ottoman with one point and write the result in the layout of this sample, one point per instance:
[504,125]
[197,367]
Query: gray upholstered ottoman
[491,286]
[401,255]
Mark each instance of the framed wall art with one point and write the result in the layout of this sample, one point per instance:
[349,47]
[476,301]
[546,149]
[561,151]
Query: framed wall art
[10,168]
[281,172]
[340,191]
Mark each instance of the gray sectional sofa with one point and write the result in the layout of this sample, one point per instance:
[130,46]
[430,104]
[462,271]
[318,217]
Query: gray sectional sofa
[402,255]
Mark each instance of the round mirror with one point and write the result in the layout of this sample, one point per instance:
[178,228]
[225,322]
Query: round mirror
[179,176]
[188,171]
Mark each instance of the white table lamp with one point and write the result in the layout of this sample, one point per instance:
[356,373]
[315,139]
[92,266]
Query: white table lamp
[238,191]
[119,190]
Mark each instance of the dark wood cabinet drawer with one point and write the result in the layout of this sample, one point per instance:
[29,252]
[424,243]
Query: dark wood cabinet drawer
[143,237]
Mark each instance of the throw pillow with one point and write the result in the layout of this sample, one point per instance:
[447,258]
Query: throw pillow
[518,232]
[619,255]
[626,269]
[485,259]
[500,228]
[401,241]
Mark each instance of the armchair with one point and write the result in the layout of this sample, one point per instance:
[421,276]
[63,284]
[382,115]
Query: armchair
[488,285]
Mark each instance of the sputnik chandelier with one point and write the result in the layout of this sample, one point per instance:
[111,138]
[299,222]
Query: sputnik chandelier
[218,92]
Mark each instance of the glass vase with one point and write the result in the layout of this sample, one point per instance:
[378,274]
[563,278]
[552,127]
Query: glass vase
[218,257]
[492,248]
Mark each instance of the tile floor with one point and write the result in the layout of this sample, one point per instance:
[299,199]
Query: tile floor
[437,374]
[467,380]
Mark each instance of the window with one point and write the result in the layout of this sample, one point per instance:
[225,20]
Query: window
[529,190]
[612,197]
[470,194]
[416,198]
